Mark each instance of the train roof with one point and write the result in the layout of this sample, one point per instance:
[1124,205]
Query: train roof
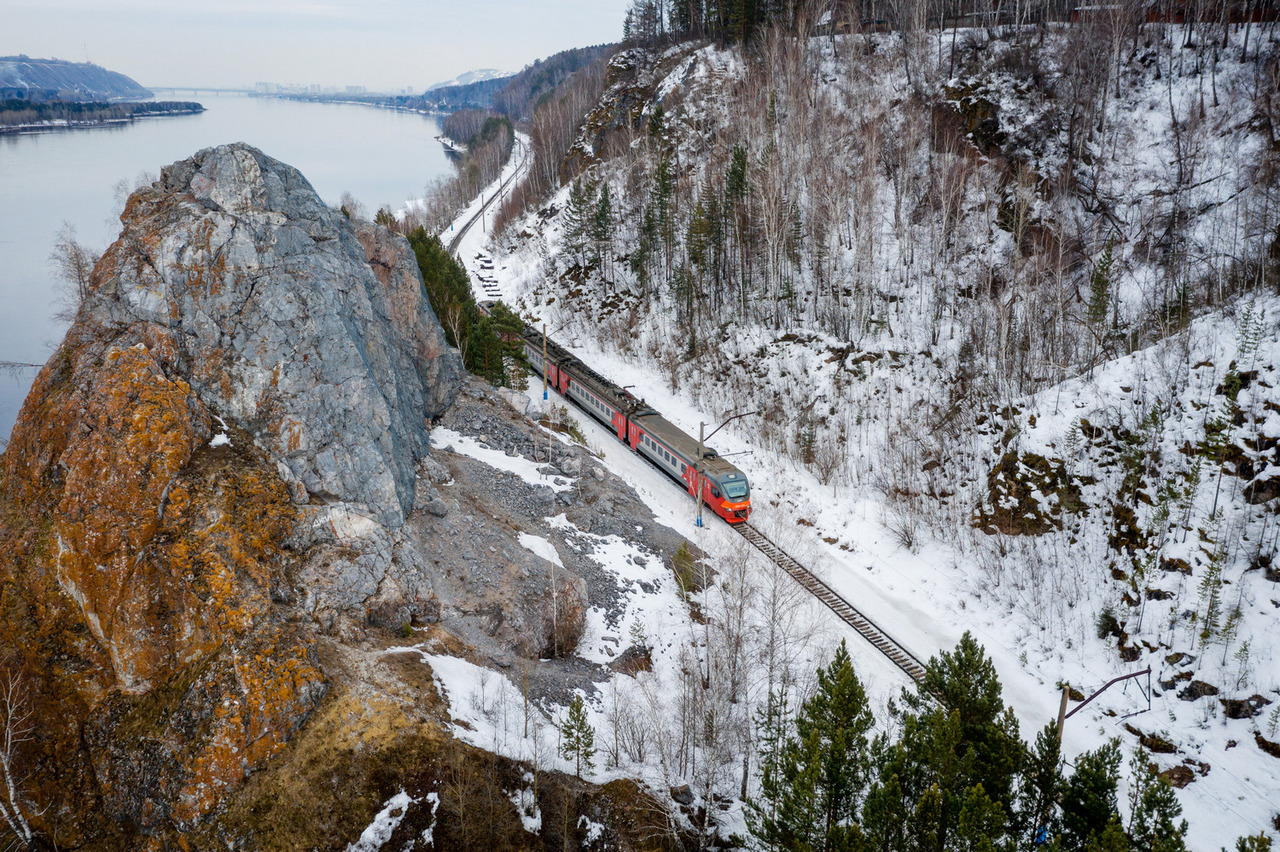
[684,444]
[622,399]
[636,409]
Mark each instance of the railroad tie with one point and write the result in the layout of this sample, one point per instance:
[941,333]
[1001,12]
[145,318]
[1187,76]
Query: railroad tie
[849,614]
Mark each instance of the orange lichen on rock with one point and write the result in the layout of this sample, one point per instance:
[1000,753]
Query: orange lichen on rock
[139,433]
[137,566]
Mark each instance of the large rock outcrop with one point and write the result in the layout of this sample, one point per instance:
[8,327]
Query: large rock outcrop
[313,335]
[148,571]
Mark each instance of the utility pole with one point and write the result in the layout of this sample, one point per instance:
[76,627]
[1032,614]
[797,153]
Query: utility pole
[702,449]
[1062,710]
[697,474]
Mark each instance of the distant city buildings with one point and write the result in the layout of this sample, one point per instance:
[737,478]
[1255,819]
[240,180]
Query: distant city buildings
[270,88]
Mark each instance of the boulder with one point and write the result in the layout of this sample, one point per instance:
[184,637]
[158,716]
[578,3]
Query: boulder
[1197,689]
[1243,708]
[515,399]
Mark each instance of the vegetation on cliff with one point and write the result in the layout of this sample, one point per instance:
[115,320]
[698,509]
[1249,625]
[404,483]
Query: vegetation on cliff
[490,344]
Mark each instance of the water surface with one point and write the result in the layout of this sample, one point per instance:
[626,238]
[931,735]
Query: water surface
[381,157]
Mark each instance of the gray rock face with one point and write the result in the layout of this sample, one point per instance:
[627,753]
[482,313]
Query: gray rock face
[311,332]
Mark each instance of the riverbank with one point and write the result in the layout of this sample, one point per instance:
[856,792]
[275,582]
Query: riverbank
[26,117]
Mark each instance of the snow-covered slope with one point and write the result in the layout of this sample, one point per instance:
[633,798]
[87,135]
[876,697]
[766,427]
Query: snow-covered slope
[470,77]
[1014,377]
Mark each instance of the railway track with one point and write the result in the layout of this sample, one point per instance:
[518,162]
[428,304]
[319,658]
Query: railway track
[453,244]
[849,614]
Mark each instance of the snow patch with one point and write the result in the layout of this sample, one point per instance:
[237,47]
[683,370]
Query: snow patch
[385,823]
[527,806]
[530,472]
[540,547]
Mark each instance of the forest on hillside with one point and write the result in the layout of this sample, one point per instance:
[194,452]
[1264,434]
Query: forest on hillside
[1008,274]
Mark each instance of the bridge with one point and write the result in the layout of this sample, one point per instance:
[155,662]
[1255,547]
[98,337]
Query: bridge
[196,91]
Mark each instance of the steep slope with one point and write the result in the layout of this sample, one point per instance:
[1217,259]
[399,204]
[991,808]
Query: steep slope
[1002,303]
[235,587]
[237,332]
[41,79]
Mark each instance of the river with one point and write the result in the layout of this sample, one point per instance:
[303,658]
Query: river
[382,157]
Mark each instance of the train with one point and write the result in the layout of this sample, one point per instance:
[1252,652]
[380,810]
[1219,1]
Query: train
[725,488]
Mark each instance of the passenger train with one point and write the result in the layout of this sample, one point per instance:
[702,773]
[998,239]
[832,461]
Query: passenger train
[725,489]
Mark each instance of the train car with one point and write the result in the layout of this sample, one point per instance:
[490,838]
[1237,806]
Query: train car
[725,489]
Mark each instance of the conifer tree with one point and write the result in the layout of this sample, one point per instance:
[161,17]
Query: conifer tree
[578,219]
[964,681]
[602,228]
[1040,790]
[578,738]
[1089,797]
[813,778]
[1153,825]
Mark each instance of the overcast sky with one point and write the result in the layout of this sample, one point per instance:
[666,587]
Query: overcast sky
[380,44]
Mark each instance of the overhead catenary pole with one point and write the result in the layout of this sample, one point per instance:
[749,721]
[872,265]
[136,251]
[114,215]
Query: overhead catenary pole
[1062,710]
[702,449]
[544,360]
[697,473]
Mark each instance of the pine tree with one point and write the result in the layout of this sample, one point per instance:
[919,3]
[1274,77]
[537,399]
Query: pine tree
[1210,588]
[1100,290]
[511,368]
[1089,797]
[813,777]
[736,196]
[664,186]
[602,228]
[1040,789]
[1153,825]
[578,219]
[1259,842]
[578,738]
[1099,298]
[965,682]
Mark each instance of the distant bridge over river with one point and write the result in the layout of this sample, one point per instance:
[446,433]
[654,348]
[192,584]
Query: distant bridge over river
[207,90]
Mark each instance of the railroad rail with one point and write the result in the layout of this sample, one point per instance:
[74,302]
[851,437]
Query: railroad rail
[453,244]
[846,611]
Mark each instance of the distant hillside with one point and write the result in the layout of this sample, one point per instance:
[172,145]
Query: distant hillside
[516,95]
[481,76]
[521,93]
[24,78]
[475,95]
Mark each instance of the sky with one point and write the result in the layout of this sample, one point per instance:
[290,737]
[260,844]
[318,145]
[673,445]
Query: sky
[384,45]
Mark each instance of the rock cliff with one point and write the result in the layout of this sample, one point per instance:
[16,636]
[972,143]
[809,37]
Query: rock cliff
[244,350]
[313,335]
